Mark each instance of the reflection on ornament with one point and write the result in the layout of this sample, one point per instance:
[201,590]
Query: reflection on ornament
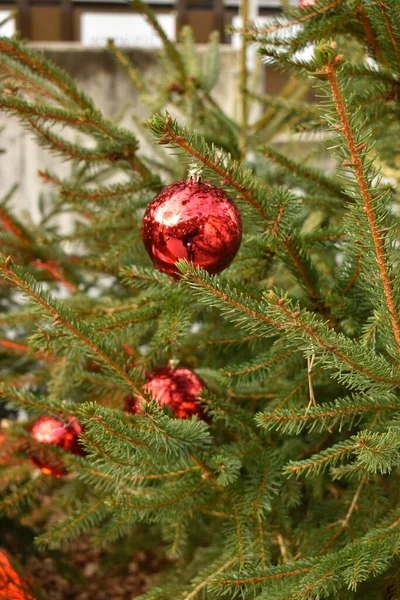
[192,220]
[53,431]
[306,3]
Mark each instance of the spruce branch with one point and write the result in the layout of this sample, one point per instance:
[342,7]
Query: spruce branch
[45,68]
[302,383]
[85,517]
[391,32]
[14,346]
[168,132]
[100,193]
[305,172]
[354,276]
[58,267]
[21,495]
[112,529]
[341,349]
[55,272]
[357,164]
[377,452]
[261,535]
[153,429]
[170,48]
[26,82]
[103,474]
[284,102]
[303,68]
[275,315]
[90,122]
[327,415]
[82,116]
[256,365]
[310,14]
[28,286]
[62,147]
[123,60]
[240,540]
[13,14]
[207,579]
[369,33]
[36,403]
[318,463]
[345,522]
[234,417]
[235,583]
[146,505]
[12,224]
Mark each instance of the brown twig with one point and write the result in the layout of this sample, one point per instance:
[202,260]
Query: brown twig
[391,32]
[345,522]
[267,363]
[271,577]
[369,34]
[310,364]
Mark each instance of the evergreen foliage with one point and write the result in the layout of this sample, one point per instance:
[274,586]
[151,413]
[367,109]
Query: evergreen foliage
[288,488]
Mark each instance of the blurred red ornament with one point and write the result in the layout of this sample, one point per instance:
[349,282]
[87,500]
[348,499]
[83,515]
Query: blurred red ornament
[177,388]
[92,366]
[306,3]
[132,405]
[193,220]
[53,431]
[11,586]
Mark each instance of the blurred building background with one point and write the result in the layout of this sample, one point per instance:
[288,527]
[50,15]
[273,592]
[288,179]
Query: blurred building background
[74,34]
[78,20]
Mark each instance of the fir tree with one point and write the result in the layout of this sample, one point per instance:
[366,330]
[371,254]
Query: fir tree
[287,489]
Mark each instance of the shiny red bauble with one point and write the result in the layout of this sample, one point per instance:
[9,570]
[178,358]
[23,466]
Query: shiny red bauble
[55,432]
[306,3]
[193,220]
[177,388]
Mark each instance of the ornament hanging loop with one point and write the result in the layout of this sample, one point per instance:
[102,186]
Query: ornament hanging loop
[194,173]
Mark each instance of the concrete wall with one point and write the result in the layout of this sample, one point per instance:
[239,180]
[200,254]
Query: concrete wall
[97,73]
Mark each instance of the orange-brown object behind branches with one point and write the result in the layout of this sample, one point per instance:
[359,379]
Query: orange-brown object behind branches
[11,586]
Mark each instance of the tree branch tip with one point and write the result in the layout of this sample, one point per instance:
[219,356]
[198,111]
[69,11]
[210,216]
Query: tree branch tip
[7,263]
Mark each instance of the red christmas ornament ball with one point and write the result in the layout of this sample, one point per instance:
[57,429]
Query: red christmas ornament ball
[306,3]
[178,388]
[193,220]
[53,431]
